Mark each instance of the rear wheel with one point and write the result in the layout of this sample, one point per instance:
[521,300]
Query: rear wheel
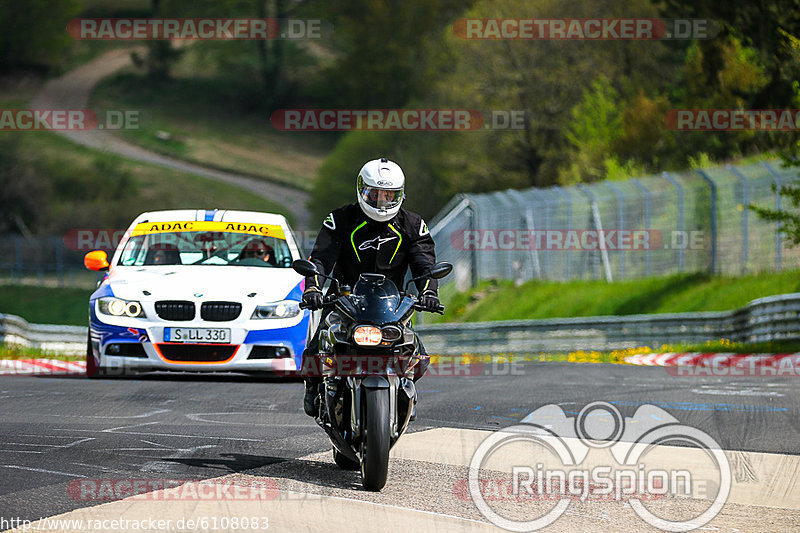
[375,444]
[344,462]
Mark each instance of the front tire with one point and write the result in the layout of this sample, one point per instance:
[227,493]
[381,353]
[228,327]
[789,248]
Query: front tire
[375,444]
[92,370]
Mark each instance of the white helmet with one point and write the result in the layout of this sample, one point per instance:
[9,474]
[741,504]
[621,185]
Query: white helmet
[381,189]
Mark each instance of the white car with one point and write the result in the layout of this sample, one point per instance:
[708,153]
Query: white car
[198,290]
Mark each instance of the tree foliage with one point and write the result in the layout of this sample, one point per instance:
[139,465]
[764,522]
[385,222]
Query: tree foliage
[32,32]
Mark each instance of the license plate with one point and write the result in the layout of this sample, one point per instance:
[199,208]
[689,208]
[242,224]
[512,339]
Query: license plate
[198,335]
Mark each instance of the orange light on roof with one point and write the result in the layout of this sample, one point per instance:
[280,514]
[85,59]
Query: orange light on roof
[367,336]
[96,260]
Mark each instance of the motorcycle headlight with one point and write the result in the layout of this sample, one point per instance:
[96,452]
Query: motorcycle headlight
[367,336]
[118,307]
[283,309]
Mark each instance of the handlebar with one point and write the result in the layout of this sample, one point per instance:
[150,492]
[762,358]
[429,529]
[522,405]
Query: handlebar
[331,299]
[327,301]
[439,308]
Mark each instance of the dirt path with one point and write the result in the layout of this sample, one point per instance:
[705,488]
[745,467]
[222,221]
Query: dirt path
[72,91]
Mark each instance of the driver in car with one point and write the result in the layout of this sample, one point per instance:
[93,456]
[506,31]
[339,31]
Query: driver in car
[258,249]
[374,235]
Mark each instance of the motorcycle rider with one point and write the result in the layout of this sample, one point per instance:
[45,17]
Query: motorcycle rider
[373,235]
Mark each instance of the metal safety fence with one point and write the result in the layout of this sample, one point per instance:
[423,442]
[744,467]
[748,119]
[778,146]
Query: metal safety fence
[656,225]
[774,318]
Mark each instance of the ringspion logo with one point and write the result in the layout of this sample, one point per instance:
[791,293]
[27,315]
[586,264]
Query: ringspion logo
[597,455]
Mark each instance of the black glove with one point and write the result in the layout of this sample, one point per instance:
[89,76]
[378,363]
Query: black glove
[313,299]
[429,301]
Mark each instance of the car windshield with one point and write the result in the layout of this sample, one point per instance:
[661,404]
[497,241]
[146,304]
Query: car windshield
[252,245]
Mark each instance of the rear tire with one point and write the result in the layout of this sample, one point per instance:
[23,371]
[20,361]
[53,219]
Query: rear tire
[375,444]
[344,462]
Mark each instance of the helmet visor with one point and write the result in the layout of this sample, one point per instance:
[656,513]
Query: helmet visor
[381,198]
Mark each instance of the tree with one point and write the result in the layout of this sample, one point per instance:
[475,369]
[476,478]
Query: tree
[594,127]
[546,79]
[381,46]
[789,219]
[760,25]
[32,32]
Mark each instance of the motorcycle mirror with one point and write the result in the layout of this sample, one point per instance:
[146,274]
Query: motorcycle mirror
[305,267]
[440,270]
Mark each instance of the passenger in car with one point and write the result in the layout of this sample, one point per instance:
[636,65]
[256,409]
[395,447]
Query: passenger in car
[163,254]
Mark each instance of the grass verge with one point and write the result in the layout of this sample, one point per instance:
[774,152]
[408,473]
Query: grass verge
[618,356]
[203,120]
[671,294]
[80,188]
[12,351]
[42,305]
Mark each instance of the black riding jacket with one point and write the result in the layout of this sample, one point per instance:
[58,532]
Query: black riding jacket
[350,243]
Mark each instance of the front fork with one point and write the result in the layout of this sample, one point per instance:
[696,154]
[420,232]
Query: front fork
[402,397]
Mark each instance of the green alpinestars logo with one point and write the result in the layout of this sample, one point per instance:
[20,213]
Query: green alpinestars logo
[329,222]
[423,229]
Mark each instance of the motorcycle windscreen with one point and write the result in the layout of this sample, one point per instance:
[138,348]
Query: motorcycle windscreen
[376,299]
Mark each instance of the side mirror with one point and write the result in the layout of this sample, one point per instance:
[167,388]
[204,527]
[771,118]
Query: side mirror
[96,260]
[305,267]
[440,270]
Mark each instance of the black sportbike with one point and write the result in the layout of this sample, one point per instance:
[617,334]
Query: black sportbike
[368,358]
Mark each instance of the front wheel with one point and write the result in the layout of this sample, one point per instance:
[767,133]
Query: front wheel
[93,371]
[375,443]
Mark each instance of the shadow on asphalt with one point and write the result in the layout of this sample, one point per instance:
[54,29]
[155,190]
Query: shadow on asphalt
[320,473]
[230,462]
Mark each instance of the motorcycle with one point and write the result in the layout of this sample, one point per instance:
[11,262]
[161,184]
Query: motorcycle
[368,357]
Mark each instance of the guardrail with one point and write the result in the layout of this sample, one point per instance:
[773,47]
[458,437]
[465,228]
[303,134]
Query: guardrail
[67,340]
[765,319]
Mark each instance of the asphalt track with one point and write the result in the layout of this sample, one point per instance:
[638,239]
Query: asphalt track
[54,430]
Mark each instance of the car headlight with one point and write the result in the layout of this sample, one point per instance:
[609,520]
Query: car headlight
[119,307]
[283,309]
[367,336]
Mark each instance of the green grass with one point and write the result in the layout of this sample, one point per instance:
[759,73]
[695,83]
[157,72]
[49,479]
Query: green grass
[12,351]
[722,346]
[673,294]
[96,190]
[42,305]
[211,122]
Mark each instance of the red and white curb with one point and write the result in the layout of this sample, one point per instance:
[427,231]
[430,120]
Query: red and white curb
[714,359]
[27,367]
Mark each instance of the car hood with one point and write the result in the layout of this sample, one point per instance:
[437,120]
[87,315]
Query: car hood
[203,282]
